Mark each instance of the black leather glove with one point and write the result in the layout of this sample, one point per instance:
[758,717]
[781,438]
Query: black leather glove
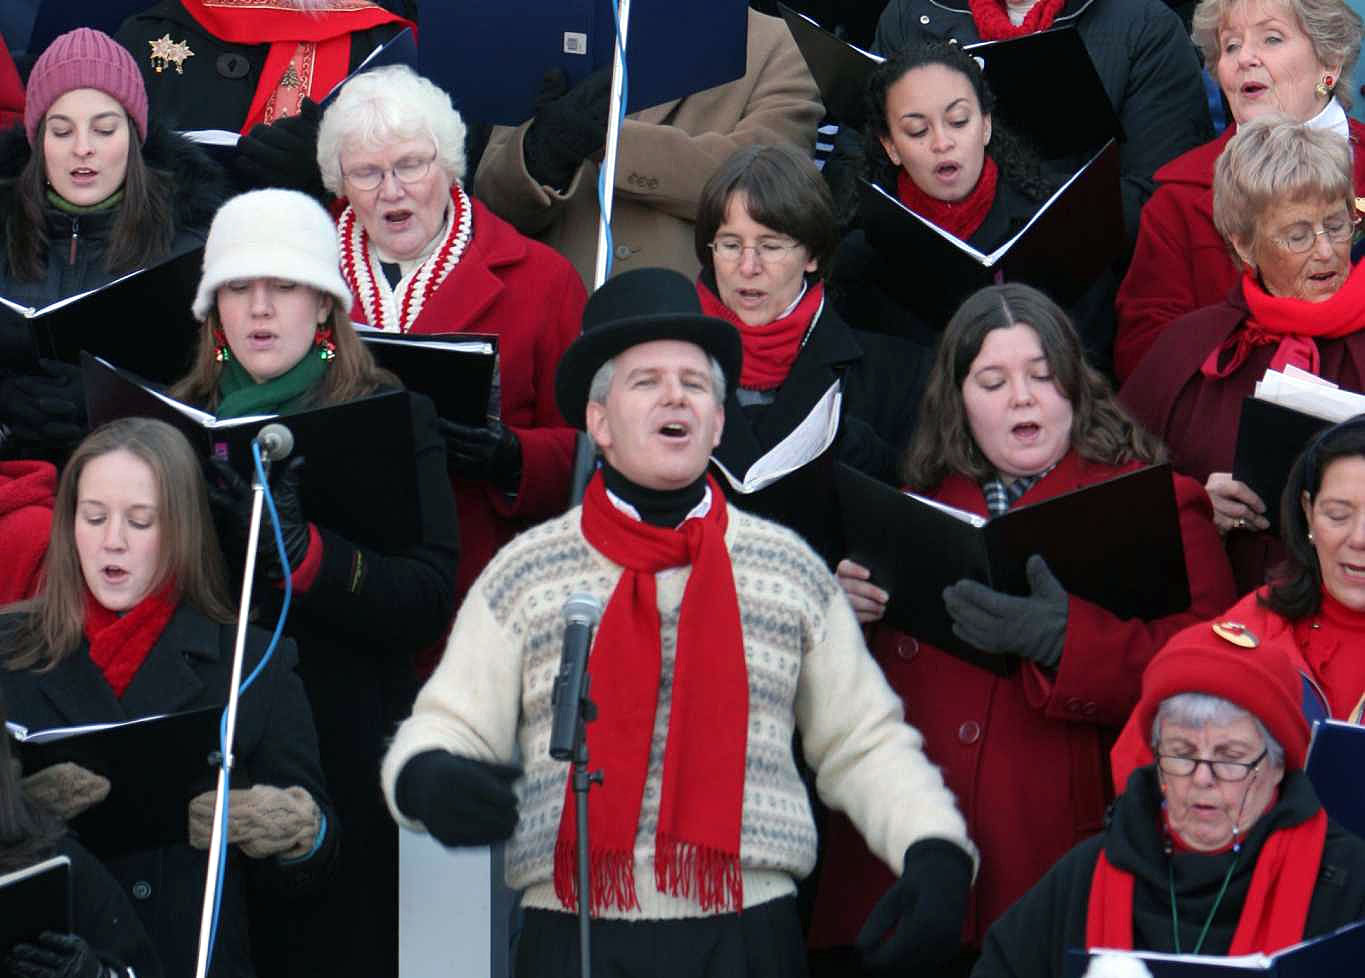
[1033,627]
[54,955]
[230,500]
[926,906]
[568,127]
[461,801]
[491,453]
[283,153]
[47,406]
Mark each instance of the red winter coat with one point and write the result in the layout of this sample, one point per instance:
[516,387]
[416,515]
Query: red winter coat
[27,490]
[11,90]
[1181,262]
[532,299]
[1025,754]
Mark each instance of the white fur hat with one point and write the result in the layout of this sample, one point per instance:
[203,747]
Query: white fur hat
[271,234]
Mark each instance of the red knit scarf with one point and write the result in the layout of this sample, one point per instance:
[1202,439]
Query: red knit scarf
[1292,323]
[770,349]
[993,20]
[696,847]
[318,42]
[1276,906]
[960,218]
[119,643]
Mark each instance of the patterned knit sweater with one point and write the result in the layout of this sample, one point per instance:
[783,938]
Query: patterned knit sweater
[807,666]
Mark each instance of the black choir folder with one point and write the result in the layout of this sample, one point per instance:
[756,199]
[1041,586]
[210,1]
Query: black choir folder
[1116,543]
[1335,759]
[34,899]
[1335,955]
[455,370]
[1270,438]
[360,472]
[155,765]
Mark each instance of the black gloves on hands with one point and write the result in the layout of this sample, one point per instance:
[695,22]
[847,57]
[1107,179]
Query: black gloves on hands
[1033,627]
[46,407]
[461,801]
[283,153]
[569,126]
[230,499]
[926,906]
[488,454]
[54,955]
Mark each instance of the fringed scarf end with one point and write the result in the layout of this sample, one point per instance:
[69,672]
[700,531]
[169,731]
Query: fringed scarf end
[710,876]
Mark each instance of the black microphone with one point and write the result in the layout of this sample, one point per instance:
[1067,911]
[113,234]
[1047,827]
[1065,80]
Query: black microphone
[276,441]
[581,613]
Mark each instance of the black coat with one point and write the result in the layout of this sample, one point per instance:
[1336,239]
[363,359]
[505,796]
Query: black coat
[102,915]
[1031,939]
[190,667]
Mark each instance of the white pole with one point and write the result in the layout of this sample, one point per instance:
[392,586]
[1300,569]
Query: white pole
[613,140]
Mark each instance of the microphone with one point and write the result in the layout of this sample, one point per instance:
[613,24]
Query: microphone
[276,441]
[581,613]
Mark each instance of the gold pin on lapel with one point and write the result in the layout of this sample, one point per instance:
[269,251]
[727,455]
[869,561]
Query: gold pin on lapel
[1236,633]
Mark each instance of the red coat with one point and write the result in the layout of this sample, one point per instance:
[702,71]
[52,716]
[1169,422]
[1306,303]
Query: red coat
[1025,754]
[1181,262]
[11,90]
[532,299]
[27,490]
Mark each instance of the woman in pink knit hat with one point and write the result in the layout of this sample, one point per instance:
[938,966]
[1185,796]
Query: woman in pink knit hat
[89,191]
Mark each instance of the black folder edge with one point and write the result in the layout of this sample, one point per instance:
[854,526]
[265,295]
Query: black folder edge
[461,399]
[1335,757]
[34,899]
[401,49]
[1270,438]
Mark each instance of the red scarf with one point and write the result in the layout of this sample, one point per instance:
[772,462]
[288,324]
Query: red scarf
[770,349]
[993,20]
[1292,323]
[317,45]
[960,218]
[1276,906]
[119,643]
[696,847]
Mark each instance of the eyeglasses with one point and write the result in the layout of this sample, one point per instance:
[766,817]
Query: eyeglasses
[1300,238]
[1182,767]
[769,252]
[407,170]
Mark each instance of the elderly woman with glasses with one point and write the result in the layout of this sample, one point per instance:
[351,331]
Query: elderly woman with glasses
[1219,847]
[1283,200]
[421,256]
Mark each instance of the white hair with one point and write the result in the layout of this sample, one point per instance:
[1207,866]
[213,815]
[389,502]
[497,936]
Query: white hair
[390,105]
[1203,709]
[601,381]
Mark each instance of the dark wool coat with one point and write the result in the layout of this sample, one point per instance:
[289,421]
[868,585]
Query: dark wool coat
[1030,941]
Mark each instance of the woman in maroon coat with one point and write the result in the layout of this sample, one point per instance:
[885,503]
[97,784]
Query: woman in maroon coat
[1291,57]
[422,256]
[1014,415]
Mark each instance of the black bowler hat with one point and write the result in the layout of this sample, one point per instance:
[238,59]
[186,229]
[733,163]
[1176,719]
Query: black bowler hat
[639,306]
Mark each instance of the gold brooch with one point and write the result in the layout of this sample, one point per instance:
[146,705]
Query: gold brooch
[1236,633]
[165,51]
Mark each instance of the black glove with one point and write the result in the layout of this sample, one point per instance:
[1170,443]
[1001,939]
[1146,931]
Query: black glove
[461,801]
[1033,627]
[567,128]
[283,153]
[927,906]
[230,500]
[46,407]
[488,454]
[54,955]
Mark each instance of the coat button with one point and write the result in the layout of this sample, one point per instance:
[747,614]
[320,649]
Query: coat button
[142,890]
[1073,705]
[924,18]
[969,732]
[1090,709]
[624,251]
[907,648]
[952,41]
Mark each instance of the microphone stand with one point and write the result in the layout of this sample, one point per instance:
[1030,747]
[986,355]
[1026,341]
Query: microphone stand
[583,780]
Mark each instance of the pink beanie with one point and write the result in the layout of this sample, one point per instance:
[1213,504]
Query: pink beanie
[84,58]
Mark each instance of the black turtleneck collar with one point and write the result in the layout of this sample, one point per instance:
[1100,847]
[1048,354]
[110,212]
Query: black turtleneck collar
[657,507]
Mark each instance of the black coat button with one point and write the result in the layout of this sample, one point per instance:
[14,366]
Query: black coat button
[232,65]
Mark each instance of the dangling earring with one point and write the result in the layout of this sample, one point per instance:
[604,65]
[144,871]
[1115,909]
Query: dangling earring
[222,353]
[326,347]
[1324,87]
[1310,536]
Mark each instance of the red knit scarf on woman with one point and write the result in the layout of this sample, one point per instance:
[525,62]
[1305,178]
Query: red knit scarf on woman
[993,20]
[770,349]
[119,643]
[1273,914]
[960,218]
[696,846]
[1293,324]
[317,45]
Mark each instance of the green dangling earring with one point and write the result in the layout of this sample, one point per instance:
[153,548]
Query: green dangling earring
[222,353]
[326,346]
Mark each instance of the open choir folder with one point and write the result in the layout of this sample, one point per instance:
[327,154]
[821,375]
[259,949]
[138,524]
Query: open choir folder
[1339,954]
[141,321]
[155,765]
[455,370]
[1336,757]
[360,473]
[34,899]
[1270,438]
[1115,543]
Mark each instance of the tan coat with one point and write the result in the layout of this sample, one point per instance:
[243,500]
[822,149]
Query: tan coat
[667,153]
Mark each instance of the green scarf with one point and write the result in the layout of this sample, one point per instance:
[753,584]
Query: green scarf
[65,206]
[240,395]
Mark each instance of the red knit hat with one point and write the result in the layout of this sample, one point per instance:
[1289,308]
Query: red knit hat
[84,58]
[1225,659]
